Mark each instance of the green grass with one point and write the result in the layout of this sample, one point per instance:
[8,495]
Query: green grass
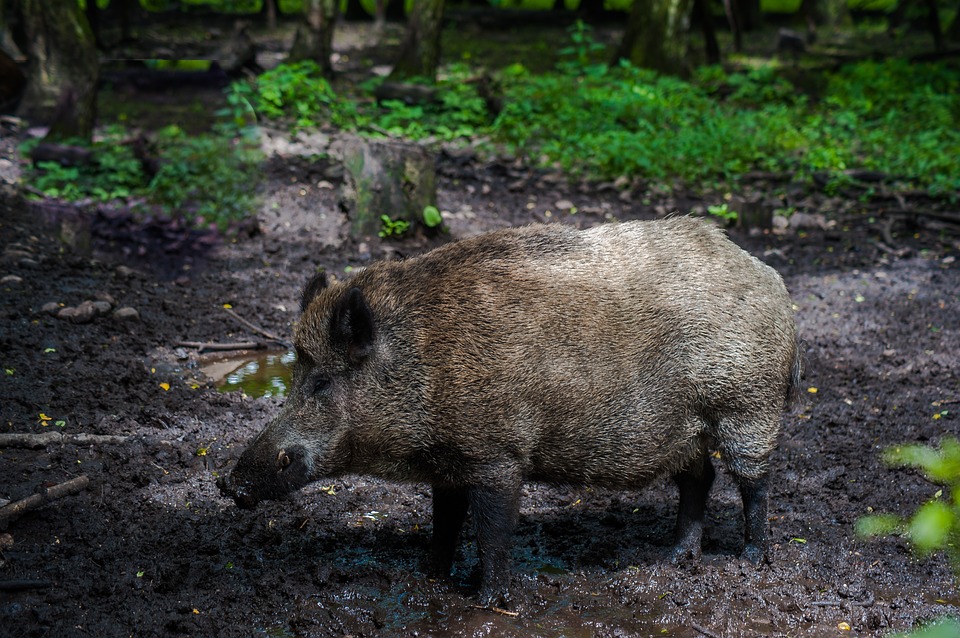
[203,178]
[591,120]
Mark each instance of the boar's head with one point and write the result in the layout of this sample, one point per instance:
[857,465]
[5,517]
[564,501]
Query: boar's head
[310,438]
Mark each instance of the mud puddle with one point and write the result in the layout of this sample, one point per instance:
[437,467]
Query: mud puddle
[256,374]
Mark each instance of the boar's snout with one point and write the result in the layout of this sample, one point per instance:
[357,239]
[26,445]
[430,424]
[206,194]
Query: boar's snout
[242,497]
[266,473]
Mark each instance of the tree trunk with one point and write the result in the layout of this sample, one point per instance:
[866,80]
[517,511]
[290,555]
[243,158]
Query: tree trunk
[656,35]
[62,66]
[314,38]
[420,51]
[391,178]
[269,10]
[711,48]
[93,17]
[732,9]
[750,16]
[933,24]
[953,31]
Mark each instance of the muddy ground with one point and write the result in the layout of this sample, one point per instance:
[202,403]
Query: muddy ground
[150,547]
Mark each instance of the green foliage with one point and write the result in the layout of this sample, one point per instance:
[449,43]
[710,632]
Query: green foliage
[579,57]
[206,178]
[935,526]
[296,92]
[113,173]
[203,178]
[393,227]
[941,628]
[722,211]
[899,118]
[432,217]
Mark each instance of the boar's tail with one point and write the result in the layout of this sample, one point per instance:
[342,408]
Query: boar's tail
[796,373]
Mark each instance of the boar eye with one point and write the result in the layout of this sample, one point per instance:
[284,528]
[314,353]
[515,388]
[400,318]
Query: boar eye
[321,384]
[283,461]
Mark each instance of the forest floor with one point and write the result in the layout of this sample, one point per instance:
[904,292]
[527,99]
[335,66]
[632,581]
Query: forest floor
[151,548]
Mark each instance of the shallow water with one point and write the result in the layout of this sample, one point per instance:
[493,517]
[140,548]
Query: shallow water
[257,374]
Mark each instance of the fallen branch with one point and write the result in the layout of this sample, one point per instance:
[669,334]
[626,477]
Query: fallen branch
[16,510]
[260,331]
[43,439]
[203,346]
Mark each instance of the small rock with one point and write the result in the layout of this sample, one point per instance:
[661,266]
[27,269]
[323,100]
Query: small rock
[800,221]
[11,280]
[67,314]
[100,307]
[15,254]
[125,272]
[105,296]
[6,540]
[27,262]
[126,314]
[564,204]
[84,313]
[50,308]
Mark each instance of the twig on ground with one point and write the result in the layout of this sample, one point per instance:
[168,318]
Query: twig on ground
[497,610]
[704,631]
[260,331]
[16,510]
[39,440]
[870,600]
[203,346]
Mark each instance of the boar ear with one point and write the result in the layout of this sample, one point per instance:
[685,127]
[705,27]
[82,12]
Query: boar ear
[352,325]
[317,283]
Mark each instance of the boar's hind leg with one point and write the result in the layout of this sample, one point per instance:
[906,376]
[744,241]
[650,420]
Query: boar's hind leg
[694,484]
[449,512]
[745,445]
[753,492]
[494,511]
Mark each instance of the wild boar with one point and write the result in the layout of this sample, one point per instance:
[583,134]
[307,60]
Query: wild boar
[602,357]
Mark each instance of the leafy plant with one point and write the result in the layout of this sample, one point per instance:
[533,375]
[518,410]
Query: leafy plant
[203,178]
[206,178]
[432,217]
[393,227]
[297,92]
[578,57]
[935,526]
[722,211]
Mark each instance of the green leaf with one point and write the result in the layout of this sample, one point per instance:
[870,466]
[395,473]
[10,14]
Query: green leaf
[879,525]
[930,526]
[432,217]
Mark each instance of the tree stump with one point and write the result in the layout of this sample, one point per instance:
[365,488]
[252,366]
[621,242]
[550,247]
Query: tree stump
[387,178]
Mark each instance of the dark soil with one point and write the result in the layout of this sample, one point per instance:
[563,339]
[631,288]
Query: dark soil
[150,548]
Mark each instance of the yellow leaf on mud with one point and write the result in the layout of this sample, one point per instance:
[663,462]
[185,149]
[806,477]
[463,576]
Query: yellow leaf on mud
[228,306]
[843,626]
[165,385]
[44,419]
[812,390]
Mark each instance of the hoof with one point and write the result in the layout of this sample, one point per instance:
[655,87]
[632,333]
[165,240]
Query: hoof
[685,555]
[754,554]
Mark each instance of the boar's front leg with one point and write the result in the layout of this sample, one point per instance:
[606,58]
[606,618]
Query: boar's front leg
[694,484]
[449,512]
[495,511]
